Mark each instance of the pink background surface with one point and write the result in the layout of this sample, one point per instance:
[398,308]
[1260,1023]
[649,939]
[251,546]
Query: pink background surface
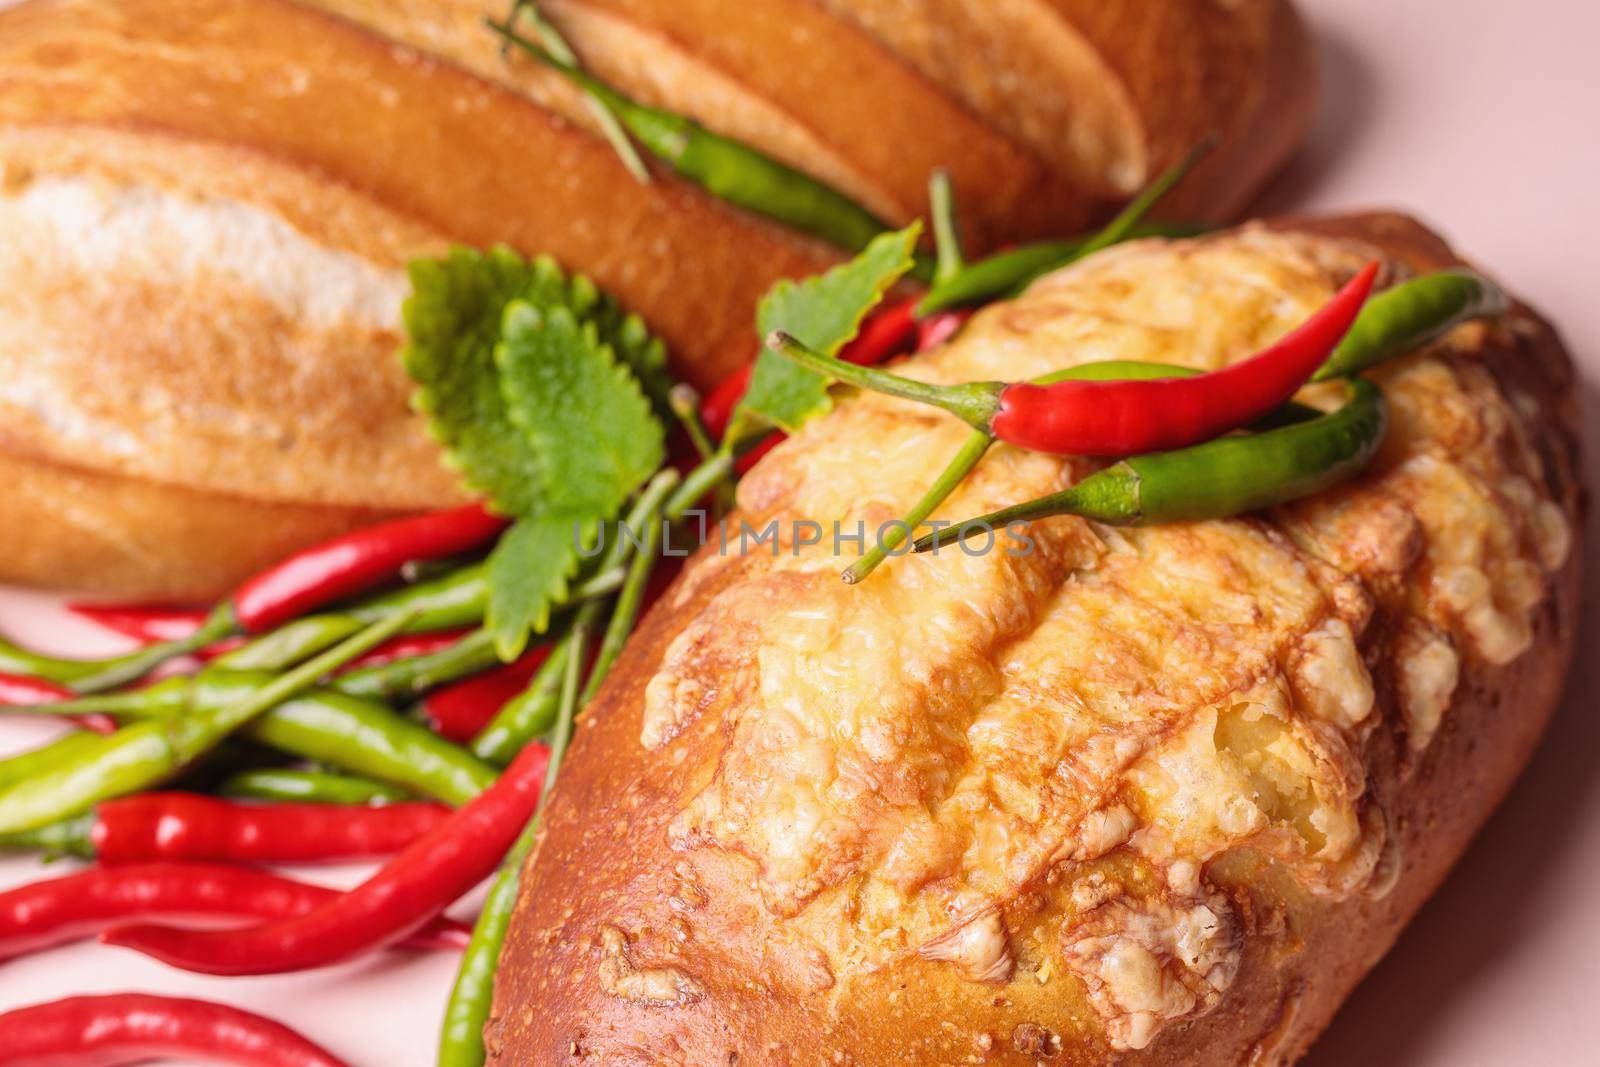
[1484,120]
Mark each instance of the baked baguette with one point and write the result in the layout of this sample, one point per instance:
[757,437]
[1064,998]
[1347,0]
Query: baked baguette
[1147,796]
[206,206]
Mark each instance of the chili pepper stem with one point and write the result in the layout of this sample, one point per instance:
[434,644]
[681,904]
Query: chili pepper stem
[960,466]
[1119,227]
[974,403]
[162,698]
[1014,270]
[125,669]
[1110,497]
[946,238]
[626,611]
[461,1040]
[69,837]
[707,476]
[684,400]
[610,126]
[596,89]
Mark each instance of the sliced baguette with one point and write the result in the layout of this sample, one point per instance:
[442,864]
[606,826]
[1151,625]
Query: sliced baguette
[206,207]
[782,75]
[116,536]
[467,159]
[1111,93]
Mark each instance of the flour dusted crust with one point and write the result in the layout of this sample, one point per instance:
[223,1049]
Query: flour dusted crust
[1142,796]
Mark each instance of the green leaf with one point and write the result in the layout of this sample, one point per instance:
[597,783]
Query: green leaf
[452,323]
[531,380]
[530,570]
[825,312]
[593,438]
[453,320]
[640,350]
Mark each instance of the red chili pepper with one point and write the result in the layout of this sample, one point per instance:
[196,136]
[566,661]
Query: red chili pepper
[1122,418]
[128,1028]
[939,327]
[351,563]
[717,408]
[147,622]
[58,911]
[754,456]
[459,711]
[415,886]
[188,826]
[405,647]
[25,689]
[886,332]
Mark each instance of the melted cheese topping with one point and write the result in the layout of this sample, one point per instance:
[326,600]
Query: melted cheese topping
[1020,763]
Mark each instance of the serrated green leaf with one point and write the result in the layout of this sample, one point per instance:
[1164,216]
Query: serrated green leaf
[825,312]
[593,436]
[536,384]
[453,320]
[452,323]
[529,571]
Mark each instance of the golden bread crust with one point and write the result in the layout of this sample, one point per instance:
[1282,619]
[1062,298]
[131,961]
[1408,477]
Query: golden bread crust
[112,535]
[1155,796]
[206,205]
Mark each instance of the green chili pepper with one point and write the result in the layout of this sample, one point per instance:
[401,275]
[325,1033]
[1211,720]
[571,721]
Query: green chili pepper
[28,764]
[154,750]
[1221,478]
[400,678]
[98,675]
[977,445]
[309,787]
[290,643]
[461,1042]
[306,785]
[325,725]
[527,715]
[461,1038]
[1014,270]
[168,697]
[728,169]
[1410,315]
[450,600]
[415,675]
[368,739]
[610,128]
[459,598]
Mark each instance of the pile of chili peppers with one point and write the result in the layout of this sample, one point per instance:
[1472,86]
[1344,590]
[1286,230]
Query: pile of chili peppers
[348,703]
